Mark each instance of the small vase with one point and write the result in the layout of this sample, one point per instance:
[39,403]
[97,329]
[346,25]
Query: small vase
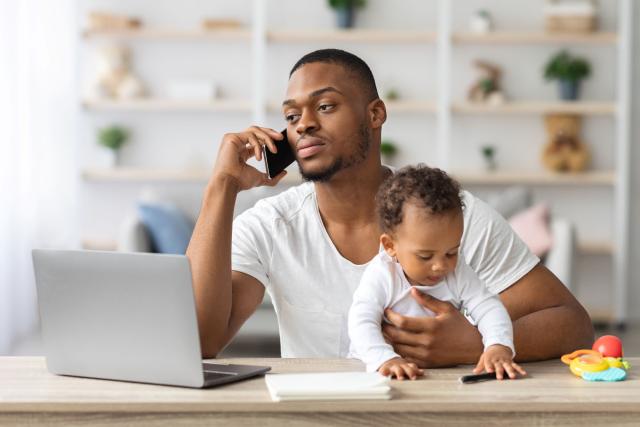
[480,23]
[569,90]
[109,158]
[490,164]
[344,17]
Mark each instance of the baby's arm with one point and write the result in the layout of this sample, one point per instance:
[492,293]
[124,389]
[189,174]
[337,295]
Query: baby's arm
[365,332]
[493,322]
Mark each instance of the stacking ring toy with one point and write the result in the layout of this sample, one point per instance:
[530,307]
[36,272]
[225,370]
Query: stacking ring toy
[592,366]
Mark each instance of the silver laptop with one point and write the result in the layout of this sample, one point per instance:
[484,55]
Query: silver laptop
[124,316]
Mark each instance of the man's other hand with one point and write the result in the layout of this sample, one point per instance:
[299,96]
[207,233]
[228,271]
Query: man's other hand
[448,339]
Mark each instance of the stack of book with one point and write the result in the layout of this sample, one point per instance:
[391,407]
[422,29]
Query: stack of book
[328,386]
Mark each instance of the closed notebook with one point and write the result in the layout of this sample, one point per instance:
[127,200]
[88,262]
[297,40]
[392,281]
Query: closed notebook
[328,386]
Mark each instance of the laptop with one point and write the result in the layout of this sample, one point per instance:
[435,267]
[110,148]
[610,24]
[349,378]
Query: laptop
[124,316]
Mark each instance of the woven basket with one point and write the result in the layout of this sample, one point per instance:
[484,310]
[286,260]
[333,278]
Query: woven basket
[570,24]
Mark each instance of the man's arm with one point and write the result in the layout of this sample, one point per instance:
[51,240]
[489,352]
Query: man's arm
[547,322]
[547,319]
[225,299]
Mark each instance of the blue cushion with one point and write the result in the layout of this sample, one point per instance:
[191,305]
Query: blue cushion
[169,229]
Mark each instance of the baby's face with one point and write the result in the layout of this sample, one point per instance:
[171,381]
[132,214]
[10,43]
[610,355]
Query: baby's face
[427,245]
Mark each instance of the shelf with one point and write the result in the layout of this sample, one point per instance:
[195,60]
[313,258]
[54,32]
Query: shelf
[392,106]
[145,175]
[411,106]
[520,37]
[537,107]
[168,105]
[169,34]
[137,175]
[595,248]
[356,35]
[601,316]
[536,178]
[99,245]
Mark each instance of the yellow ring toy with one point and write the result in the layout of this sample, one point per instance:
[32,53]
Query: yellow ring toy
[581,361]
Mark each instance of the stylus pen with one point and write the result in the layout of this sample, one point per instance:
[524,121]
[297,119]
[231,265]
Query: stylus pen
[468,379]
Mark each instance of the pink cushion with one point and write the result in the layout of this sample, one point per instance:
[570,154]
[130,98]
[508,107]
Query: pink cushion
[532,226]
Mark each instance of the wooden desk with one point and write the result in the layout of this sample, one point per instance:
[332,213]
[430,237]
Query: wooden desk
[551,396]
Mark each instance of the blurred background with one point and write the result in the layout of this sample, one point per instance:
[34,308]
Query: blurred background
[111,112]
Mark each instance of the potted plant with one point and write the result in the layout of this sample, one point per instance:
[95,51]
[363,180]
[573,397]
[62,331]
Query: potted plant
[489,156]
[388,150]
[481,22]
[113,138]
[392,95]
[345,11]
[569,71]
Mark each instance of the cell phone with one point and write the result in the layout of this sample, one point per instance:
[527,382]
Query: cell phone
[275,163]
[469,379]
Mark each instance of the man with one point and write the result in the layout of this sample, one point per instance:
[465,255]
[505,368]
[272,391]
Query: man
[309,245]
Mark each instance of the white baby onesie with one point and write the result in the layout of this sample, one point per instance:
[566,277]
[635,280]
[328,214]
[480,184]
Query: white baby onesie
[384,285]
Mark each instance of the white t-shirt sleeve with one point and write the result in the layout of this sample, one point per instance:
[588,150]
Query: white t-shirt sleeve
[365,317]
[251,243]
[484,308]
[491,247]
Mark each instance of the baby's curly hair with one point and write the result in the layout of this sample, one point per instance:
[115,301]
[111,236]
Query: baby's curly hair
[430,187]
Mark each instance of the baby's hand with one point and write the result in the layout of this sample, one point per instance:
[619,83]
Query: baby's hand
[498,358]
[400,368]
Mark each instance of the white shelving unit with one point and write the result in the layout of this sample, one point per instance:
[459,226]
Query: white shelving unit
[619,109]
[443,108]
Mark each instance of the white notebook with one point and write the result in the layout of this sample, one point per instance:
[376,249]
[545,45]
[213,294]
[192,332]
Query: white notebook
[328,386]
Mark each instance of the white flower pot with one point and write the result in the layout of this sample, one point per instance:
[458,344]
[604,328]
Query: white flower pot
[108,158]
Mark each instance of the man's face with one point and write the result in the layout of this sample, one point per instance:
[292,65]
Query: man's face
[326,113]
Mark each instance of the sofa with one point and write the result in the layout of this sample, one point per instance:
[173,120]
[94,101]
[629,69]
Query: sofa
[134,237]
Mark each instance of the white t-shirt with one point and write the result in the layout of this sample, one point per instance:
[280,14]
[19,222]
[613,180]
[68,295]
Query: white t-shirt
[283,243]
[384,285]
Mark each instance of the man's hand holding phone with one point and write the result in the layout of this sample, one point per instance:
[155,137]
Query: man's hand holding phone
[236,148]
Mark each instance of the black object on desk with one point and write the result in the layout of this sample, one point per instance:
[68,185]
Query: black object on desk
[469,379]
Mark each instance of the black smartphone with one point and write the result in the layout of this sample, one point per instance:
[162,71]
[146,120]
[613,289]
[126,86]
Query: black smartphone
[276,163]
[468,379]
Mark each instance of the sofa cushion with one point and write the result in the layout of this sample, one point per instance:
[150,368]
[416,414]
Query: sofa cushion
[510,201]
[532,226]
[134,235]
[169,229]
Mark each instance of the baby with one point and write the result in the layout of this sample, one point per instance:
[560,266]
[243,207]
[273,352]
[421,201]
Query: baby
[420,212]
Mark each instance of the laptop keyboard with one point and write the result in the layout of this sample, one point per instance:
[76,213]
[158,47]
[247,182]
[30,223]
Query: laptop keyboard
[213,375]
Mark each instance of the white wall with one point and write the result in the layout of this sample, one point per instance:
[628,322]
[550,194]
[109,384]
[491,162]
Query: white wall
[175,140]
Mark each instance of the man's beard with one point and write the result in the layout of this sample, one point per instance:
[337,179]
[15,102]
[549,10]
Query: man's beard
[364,142]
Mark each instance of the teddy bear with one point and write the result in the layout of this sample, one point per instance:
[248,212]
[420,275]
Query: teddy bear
[115,79]
[487,89]
[564,149]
